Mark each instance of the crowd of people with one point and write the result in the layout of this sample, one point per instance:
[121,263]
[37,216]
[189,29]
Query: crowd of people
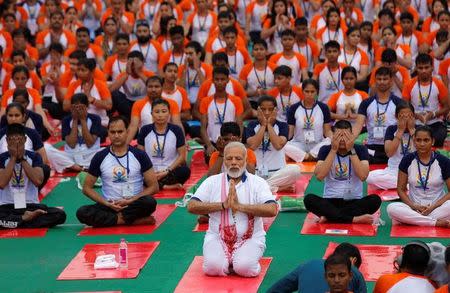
[262,85]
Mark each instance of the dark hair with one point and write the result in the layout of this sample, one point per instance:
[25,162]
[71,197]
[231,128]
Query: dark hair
[20,68]
[301,21]
[443,12]
[79,98]
[283,70]
[77,54]
[165,21]
[82,30]
[447,255]
[288,33]
[196,46]
[108,19]
[444,3]
[366,23]
[332,10]
[267,98]
[424,128]
[272,15]
[159,101]
[21,93]
[230,128]
[223,14]
[403,105]
[332,45]
[348,69]
[349,250]
[89,63]
[383,71]
[56,12]
[17,106]
[220,70]
[170,64]
[260,42]
[18,53]
[219,56]
[122,36]
[154,78]
[142,22]
[337,259]
[415,257]
[352,29]
[176,30]
[389,56]
[18,32]
[391,28]
[70,8]
[230,30]
[136,54]
[56,47]
[441,35]
[342,124]
[424,58]
[387,12]
[15,129]
[406,16]
[117,118]
[312,82]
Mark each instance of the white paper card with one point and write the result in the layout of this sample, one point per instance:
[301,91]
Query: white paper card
[378,132]
[309,136]
[20,199]
[127,190]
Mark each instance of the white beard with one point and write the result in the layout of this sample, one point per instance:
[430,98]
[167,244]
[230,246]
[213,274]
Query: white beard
[235,174]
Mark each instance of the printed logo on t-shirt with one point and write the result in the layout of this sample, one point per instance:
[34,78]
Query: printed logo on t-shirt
[157,153]
[18,180]
[422,177]
[331,85]
[119,174]
[308,123]
[341,171]
[380,120]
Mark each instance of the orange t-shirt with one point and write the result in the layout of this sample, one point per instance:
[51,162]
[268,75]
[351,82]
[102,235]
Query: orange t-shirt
[35,98]
[100,85]
[251,157]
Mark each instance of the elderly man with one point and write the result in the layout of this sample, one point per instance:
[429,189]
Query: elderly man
[235,201]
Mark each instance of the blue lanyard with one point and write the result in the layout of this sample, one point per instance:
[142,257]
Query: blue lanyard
[349,167]
[160,151]
[385,109]
[263,84]
[189,83]
[308,118]
[424,102]
[405,149]
[128,162]
[146,53]
[221,117]
[18,177]
[424,182]
[332,77]
[285,108]
[265,142]
[174,61]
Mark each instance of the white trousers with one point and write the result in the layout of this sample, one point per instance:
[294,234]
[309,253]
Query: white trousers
[297,150]
[245,259]
[383,179]
[284,177]
[402,213]
[60,160]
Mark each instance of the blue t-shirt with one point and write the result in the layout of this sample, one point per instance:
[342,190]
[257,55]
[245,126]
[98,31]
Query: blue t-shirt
[341,181]
[310,278]
[308,119]
[33,140]
[94,124]
[114,171]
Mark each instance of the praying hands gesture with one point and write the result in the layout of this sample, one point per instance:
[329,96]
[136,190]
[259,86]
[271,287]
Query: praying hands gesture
[232,201]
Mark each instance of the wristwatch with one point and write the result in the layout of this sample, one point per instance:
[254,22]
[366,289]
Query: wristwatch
[353,152]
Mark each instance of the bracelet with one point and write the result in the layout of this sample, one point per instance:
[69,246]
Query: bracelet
[223,207]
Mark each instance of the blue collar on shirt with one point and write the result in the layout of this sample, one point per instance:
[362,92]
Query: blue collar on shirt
[243,178]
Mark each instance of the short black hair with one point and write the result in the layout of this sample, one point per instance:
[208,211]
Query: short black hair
[220,70]
[349,250]
[136,54]
[415,257]
[20,68]
[154,78]
[267,98]
[230,128]
[403,105]
[21,93]
[301,21]
[406,16]
[230,30]
[159,101]
[312,82]
[383,71]
[348,69]
[283,70]
[386,12]
[342,124]
[15,129]
[332,45]
[117,118]
[79,98]
[57,47]
[424,58]
[122,36]
[89,63]
[170,64]
[18,32]
[447,255]
[337,259]
[389,56]
[77,54]
[261,42]
[224,14]
[443,12]
[56,12]
[391,28]
[424,128]
[288,33]
[176,30]
[82,30]
[219,56]
[352,29]
[195,45]
[18,53]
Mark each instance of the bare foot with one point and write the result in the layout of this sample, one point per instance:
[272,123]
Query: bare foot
[76,168]
[288,188]
[31,215]
[364,219]
[203,219]
[322,220]
[442,223]
[173,186]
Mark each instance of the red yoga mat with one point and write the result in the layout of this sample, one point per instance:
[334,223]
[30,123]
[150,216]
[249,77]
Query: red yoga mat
[377,260]
[194,280]
[162,212]
[82,266]
[411,231]
[22,233]
[179,193]
[300,187]
[311,227]
[385,195]
[51,184]
[267,222]
[377,166]
[307,167]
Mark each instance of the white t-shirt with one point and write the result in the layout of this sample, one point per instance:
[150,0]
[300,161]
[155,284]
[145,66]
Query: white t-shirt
[405,147]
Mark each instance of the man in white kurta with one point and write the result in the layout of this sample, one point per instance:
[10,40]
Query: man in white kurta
[236,201]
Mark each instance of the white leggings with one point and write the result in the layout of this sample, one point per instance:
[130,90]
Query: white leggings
[383,179]
[402,213]
[297,150]
[284,177]
[245,259]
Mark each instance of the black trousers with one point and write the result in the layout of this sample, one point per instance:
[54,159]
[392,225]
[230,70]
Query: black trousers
[121,104]
[179,175]
[439,133]
[339,210]
[46,170]
[380,156]
[54,109]
[98,215]
[12,218]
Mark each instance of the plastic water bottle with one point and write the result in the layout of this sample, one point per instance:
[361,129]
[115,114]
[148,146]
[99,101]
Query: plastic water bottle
[123,254]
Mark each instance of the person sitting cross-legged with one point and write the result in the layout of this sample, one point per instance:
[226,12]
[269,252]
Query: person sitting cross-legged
[344,166]
[236,201]
[125,200]
[20,176]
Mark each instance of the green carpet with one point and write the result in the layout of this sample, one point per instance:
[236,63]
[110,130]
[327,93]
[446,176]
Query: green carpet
[33,264]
